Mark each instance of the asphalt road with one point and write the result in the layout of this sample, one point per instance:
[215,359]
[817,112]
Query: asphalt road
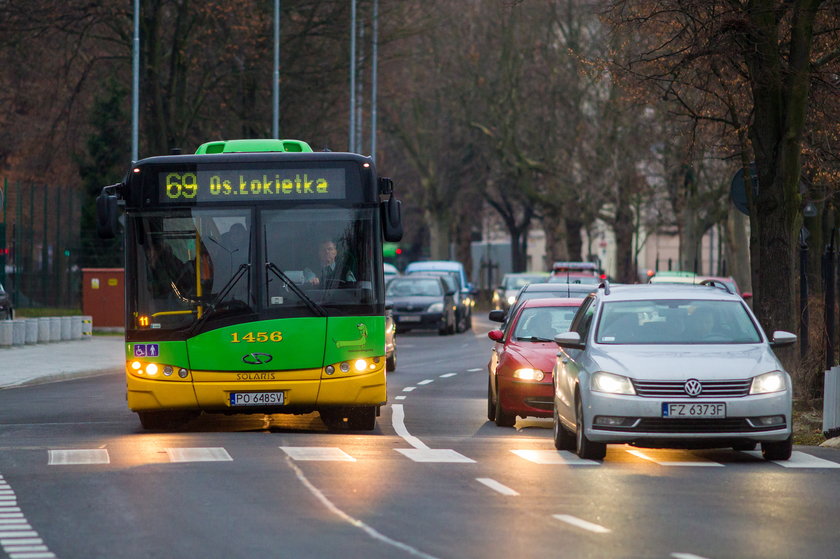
[81,479]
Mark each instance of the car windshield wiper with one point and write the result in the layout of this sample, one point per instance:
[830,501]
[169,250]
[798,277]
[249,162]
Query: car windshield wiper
[532,339]
[313,306]
[211,307]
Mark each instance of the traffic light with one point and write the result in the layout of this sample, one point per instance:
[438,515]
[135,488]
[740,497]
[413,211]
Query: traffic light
[391,250]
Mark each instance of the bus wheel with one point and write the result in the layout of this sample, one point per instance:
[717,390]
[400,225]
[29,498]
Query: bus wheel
[333,419]
[391,362]
[157,420]
[362,419]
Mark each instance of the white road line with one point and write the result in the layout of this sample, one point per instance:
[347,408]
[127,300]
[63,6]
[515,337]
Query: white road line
[427,381]
[399,397]
[11,515]
[575,521]
[80,456]
[354,521]
[496,486]
[317,453]
[24,548]
[474,370]
[398,422]
[32,556]
[447,375]
[799,460]
[211,454]
[686,556]
[644,456]
[21,541]
[554,457]
[421,452]
[17,534]
[8,521]
[9,508]
[409,389]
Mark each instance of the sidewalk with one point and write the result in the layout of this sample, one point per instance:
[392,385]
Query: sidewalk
[40,363]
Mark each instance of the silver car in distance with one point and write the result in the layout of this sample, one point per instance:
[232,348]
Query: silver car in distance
[667,366]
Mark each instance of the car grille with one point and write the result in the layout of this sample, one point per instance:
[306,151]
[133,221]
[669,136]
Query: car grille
[662,425]
[676,389]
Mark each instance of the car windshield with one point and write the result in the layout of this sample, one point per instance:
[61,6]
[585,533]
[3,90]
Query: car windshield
[676,322]
[575,278]
[413,288]
[543,323]
[517,282]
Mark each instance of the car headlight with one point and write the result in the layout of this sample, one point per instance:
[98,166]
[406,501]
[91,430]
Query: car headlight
[610,383]
[511,299]
[528,374]
[774,381]
[435,307]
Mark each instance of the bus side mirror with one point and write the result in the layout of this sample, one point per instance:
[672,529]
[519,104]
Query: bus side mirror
[391,220]
[106,215]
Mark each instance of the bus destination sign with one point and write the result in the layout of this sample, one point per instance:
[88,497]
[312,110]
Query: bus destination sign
[231,185]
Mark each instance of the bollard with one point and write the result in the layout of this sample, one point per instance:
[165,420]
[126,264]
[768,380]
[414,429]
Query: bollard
[31,330]
[55,328]
[66,326]
[19,332]
[6,333]
[87,327]
[76,328]
[43,330]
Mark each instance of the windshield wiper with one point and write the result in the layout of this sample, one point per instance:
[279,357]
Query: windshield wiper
[211,307]
[313,306]
[532,339]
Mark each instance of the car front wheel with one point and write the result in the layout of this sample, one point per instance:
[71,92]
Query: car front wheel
[491,405]
[777,450]
[563,440]
[503,418]
[584,447]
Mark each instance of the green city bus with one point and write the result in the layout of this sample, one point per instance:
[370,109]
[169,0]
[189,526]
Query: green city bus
[230,305]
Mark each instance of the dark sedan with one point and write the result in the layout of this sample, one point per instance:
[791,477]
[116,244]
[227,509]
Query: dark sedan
[422,302]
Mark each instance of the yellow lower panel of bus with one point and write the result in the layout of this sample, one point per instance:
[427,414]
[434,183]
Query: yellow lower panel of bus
[216,395]
[145,394]
[357,389]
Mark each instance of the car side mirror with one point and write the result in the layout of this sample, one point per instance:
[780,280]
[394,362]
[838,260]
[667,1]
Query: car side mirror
[569,340]
[497,316]
[496,335]
[450,293]
[782,338]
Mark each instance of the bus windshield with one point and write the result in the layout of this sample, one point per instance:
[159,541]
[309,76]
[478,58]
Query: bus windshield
[194,266]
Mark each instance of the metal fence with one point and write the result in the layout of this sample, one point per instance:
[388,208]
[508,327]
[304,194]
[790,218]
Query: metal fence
[40,244]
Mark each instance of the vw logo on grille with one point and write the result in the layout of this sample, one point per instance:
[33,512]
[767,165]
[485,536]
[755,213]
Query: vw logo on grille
[257,358]
[693,387]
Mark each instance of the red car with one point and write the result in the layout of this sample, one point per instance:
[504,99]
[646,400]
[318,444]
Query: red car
[519,379]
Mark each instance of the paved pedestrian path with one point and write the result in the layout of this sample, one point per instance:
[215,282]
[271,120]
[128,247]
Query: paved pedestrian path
[49,362]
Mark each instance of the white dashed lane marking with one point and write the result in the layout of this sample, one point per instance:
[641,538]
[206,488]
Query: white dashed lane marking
[83,456]
[643,456]
[214,454]
[409,389]
[497,487]
[799,460]
[585,525]
[427,381]
[554,457]
[317,453]
[447,375]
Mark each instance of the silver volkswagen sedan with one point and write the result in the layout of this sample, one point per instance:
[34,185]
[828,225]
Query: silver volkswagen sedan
[668,366]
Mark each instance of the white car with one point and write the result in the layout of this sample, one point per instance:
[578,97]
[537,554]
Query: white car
[670,366]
